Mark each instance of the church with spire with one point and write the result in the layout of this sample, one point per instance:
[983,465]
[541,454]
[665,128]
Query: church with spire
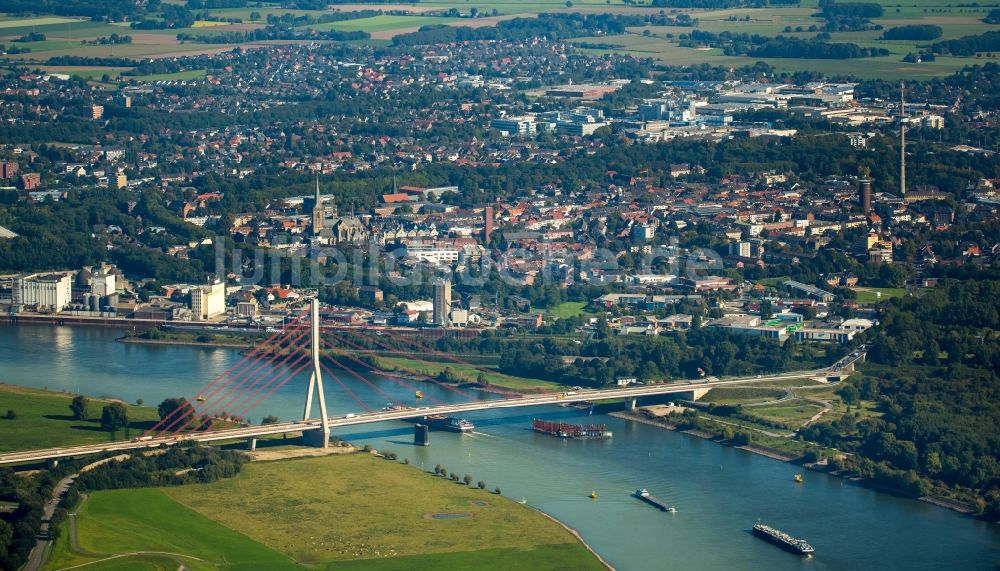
[329,229]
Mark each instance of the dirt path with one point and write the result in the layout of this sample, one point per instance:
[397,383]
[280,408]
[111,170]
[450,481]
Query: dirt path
[176,557]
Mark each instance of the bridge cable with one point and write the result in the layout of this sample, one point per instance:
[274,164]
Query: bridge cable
[226,374]
[215,403]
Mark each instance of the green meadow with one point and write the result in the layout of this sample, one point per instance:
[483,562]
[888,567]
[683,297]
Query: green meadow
[43,420]
[352,511]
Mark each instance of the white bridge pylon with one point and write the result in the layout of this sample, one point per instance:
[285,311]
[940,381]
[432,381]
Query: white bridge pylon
[320,437]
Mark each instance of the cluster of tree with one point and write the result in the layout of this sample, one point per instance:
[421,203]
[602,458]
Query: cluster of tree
[171,16]
[178,465]
[215,4]
[918,57]
[993,17]
[551,26]
[850,16]
[324,4]
[691,355]
[15,49]
[111,10]
[113,39]
[934,372]
[19,526]
[969,45]
[713,4]
[90,61]
[814,49]
[913,32]
[275,33]
[30,37]
[755,45]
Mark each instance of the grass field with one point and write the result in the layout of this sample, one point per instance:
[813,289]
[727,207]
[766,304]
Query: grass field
[44,421]
[13,22]
[738,395]
[335,512]
[178,76]
[795,413]
[359,507]
[568,309]
[491,375]
[148,520]
[867,295]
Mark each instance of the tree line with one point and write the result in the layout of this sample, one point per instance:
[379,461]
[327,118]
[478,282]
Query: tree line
[755,45]
[933,370]
[551,26]
[969,45]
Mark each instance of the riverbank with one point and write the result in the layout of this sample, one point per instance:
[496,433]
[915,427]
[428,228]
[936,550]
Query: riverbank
[43,419]
[131,339]
[467,374]
[781,456]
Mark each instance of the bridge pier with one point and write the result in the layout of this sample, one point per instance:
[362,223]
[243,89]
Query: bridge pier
[251,443]
[52,463]
[421,435]
[632,403]
[317,438]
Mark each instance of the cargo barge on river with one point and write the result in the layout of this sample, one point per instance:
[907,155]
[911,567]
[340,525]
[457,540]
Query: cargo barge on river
[782,539]
[644,495]
[564,430]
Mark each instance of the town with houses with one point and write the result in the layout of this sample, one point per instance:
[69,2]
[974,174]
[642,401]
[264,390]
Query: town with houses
[724,254]
[534,234]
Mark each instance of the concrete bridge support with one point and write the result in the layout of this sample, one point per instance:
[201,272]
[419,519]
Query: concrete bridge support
[52,463]
[316,384]
[317,438]
[251,443]
[632,403]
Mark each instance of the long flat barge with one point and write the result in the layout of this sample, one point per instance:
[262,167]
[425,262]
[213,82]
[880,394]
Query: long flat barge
[782,539]
[645,496]
[565,430]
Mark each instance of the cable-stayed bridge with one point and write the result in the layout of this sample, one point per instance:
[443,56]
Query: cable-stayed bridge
[302,345]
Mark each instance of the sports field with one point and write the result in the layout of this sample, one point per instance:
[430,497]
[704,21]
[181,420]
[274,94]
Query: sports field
[355,512]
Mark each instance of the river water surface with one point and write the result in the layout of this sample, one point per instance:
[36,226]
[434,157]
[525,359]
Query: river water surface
[719,492]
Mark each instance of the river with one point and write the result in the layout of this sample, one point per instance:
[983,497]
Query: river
[719,491]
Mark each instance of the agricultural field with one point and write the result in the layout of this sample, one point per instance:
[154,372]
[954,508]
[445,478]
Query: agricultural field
[384,23]
[361,512]
[64,35]
[43,420]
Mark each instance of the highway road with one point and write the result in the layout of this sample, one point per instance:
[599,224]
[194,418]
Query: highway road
[352,419]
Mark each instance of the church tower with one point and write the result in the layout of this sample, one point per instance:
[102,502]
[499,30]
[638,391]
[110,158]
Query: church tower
[318,215]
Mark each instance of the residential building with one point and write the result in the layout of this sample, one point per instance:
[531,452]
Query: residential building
[8,169]
[31,180]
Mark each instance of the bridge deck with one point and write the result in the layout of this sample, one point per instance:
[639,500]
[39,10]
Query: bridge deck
[381,416]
